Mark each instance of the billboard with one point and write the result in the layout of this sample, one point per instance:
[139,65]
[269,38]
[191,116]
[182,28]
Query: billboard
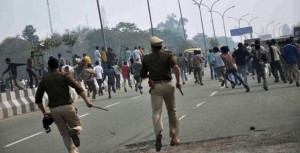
[241,31]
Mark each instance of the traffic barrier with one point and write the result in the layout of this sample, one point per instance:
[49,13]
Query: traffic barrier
[13,103]
[18,102]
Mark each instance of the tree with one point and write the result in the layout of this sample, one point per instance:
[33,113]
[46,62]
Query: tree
[172,24]
[199,40]
[214,42]
[69,38]
[127,27]
[171,32]
[53,42]
[29,35]
[17,49]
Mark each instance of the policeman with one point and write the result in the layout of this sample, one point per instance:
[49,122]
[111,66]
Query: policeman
[157,67]
[56,85]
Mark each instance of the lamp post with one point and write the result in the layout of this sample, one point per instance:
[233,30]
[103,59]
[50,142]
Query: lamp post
[223,15]
[102,30]
[212,19]
[152,33]
[203,33]
[280,30]
[184,35]
[268,26]
[239,22]
[249,23]
[274,28]
[49,13]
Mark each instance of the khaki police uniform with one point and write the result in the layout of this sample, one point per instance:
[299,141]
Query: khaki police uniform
[157,67]
[56,85]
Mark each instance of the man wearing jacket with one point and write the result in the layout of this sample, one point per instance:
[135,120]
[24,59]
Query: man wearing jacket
[12,69]
[240,56]
[290,56]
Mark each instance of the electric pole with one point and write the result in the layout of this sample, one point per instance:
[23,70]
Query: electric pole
[49,13]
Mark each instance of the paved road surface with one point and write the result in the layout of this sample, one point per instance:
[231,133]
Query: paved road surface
[205,113]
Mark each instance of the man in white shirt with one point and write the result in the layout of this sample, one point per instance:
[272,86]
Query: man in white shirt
[99,71]
[136,55]
[97,55]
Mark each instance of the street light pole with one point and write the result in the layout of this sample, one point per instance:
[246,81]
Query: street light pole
[249,23]
[152,33]
[267,26]
[280,30]
[184,35]
[212,19]
[223,15]
[203,33]
[274,28]
[49,13]
[102,30]
[239,22]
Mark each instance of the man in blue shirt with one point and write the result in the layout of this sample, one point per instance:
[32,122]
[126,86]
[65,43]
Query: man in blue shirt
[290,56]
[127,55]
[211,60]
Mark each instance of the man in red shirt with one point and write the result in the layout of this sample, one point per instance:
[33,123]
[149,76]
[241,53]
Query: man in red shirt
[125,74]
[230,68]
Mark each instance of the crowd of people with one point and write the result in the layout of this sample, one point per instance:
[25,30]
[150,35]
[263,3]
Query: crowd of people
[105,65]
[280,59]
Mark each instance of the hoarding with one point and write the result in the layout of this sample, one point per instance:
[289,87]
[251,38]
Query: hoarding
[241,31]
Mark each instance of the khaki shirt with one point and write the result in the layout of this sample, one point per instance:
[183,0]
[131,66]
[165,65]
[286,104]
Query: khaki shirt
[159,65]
[56,85]
[276,53]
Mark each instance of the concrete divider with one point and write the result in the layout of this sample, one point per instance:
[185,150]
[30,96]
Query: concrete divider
[13,103]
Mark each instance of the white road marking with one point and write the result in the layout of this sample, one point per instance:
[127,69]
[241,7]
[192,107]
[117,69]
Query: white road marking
[180,118]
[198,105]
[112,105]
[23,139]
[84,115]
[212,94]
[36,134]
[136,97]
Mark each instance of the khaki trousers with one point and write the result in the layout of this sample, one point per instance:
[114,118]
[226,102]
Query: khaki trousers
[198,74]
[164,92]
[220,73]
[65,118]
[292,71]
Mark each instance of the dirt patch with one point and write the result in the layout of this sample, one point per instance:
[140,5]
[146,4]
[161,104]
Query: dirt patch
[287,142]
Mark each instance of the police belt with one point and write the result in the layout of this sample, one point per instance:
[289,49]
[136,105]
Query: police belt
[162,81]
[59,105]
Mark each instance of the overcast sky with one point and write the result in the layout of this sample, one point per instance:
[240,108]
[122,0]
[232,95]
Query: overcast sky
[68,14]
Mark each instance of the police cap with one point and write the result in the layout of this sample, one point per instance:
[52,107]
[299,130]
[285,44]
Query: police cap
[155,41]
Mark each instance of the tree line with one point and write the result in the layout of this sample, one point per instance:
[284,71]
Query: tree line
[83,40]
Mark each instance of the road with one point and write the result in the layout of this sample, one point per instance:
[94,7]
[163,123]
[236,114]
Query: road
[205,113]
